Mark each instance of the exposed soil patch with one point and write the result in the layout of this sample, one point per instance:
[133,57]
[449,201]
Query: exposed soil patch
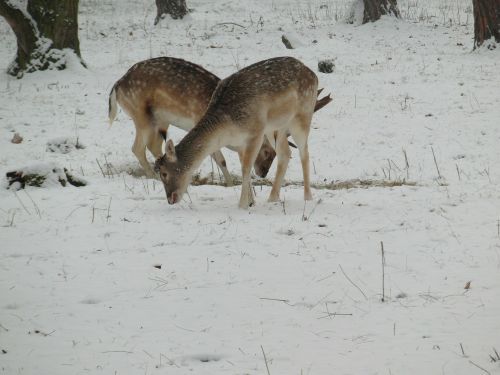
[333,185]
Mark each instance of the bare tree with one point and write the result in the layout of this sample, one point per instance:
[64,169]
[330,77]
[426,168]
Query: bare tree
[486,22]
[374,9]
[43,29]
[176,8]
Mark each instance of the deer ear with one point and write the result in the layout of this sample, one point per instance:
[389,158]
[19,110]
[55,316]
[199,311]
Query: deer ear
[158,163]
[170,151]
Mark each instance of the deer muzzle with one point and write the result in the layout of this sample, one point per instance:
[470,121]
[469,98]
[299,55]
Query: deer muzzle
[173,198]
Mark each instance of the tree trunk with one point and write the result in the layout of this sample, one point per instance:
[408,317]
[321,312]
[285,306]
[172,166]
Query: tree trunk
[176,8]
[374,9]
[486,22]
[43,30]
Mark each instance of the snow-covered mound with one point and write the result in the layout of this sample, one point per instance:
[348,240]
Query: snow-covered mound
[41,175]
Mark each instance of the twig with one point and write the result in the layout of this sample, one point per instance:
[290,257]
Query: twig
[326,277]
[275,299]
[168,359]
[394,164]
[38,332]
[462,347]
[145,185]
[334,314]
[265,360]
[126,186]
[102,171]
[347,277]
[109,207]
[498,356]
[383,270]
[185,329]
[71,213]
[305,218]
[108,167]
[37,209]
[407,165]
[479,367]
[227,23]
[283,205]
[435,162]
[329,315]
[12,219]
[22,204]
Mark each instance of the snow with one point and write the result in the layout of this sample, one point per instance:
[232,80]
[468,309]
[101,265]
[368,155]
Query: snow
[109,278]
[63,145]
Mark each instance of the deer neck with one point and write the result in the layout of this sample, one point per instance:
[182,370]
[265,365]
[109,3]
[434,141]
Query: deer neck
[202,140]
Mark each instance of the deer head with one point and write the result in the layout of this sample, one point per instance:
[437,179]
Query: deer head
[264,160]
[172,173]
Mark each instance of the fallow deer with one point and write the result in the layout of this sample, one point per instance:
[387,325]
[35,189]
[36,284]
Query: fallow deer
[272,98]
[162,91]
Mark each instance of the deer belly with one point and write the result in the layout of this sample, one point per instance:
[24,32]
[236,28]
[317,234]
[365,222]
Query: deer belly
[180,120]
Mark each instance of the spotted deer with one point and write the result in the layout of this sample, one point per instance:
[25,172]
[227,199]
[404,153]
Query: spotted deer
[269,99]
[165,91]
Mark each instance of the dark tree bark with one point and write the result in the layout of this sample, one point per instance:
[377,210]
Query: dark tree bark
[374,9]
[486,22]
[176,8]
[42,31]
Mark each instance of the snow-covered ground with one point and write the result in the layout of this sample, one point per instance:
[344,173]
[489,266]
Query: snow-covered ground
[109,278]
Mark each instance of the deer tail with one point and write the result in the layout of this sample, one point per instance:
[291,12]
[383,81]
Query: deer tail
[112,109]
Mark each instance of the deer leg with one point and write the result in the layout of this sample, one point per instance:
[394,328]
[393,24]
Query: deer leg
[221,163]
[139,150]
[300,134]
[155,143]
[245,189]
[247,158]
[283,153]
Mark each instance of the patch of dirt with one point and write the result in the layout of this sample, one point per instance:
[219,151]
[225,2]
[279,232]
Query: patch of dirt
[333,185]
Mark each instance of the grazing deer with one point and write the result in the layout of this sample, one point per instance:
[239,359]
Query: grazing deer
[162,91]
[272,98]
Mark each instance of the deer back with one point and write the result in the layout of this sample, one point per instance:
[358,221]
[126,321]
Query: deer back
[176,87]
[265,84]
